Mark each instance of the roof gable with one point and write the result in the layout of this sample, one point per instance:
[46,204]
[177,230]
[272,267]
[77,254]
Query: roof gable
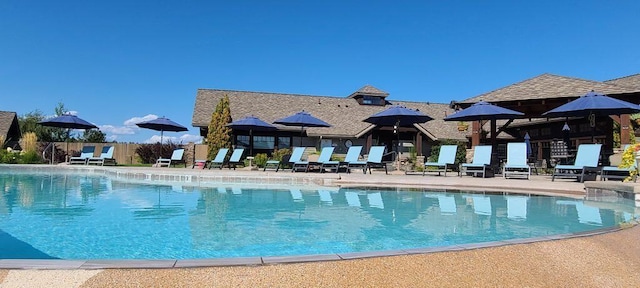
[9,126]
[547,86]
[368,90]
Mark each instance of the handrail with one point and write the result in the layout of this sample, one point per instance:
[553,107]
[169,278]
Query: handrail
[44,151]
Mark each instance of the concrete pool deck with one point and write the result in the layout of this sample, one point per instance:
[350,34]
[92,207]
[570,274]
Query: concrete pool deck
[610,259]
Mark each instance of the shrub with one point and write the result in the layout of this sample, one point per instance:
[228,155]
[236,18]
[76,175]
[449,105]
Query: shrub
[29,142]
[279,153]
[29,157]
[260,159]
[8,157]
[149,153]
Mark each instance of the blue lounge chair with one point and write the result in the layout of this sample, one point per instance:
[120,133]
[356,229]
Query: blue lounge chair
[218,161]
[353,156]
[87,152]
[446,160]
[236,157]
[516,161]
[480,165]
[105,158]
[296,157]
[586,163]
[325,160]
[374,159]
[176,158]
[325,156]
[615,172]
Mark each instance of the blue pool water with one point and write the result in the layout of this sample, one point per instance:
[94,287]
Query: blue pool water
[71,216]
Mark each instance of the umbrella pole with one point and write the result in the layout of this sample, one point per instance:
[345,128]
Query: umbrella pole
[398,146]
[250,142]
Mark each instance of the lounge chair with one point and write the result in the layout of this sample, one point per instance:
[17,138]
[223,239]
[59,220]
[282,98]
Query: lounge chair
[218,161]
[353,155]
[325,156]
[374,160]
[446,160]
[235,158]
[586,164]
[272,164]
[87,152]
[615,172]
[176,158]
[480,165]
[105,158]
[325,160]
[516,165]
[296,158]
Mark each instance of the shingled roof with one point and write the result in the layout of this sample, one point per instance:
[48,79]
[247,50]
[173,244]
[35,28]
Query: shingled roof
[9,127]
[369,90]
[343,113]
[548,86]
[631,81]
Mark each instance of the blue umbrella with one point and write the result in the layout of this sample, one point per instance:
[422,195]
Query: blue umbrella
[302,119]
[398,116]
[251,123]
[162,124]
[527,141]
[593,104]
[483,111]
[67,121]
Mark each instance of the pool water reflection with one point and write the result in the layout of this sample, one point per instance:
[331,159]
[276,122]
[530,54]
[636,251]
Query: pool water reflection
[94,217]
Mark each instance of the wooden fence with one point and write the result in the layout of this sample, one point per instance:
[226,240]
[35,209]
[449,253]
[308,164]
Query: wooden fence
[125,153]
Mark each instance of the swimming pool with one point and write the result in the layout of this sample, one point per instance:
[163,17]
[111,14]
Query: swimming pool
[71,216]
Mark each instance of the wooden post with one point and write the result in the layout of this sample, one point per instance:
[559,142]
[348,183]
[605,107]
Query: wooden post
[625,126]
[475,133]
[419,144]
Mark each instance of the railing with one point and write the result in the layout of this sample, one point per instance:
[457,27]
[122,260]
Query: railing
[53,150]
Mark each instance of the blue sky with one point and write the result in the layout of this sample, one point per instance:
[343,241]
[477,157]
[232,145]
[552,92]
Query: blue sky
[117,62]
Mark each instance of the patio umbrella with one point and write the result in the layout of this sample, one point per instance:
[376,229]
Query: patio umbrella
[398,116]
[162,124]
[67,121]
[591,105]
[251,123]
[527,141]
[485,111]
[302,119]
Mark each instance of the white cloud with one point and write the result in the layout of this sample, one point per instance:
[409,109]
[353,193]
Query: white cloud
[185,138]
[73,112]
[110,129]
[134,120]
[111,138]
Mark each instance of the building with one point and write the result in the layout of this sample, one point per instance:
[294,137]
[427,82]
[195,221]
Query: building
[345,114]
[9,130]
[542,93]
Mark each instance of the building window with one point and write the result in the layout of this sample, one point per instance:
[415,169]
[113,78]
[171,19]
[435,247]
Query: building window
[264,142]
[242,141]
[371,100]
[284,142]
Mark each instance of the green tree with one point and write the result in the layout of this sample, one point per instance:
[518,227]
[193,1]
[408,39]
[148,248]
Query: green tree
[94,136]
[29,123]
[219,135]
